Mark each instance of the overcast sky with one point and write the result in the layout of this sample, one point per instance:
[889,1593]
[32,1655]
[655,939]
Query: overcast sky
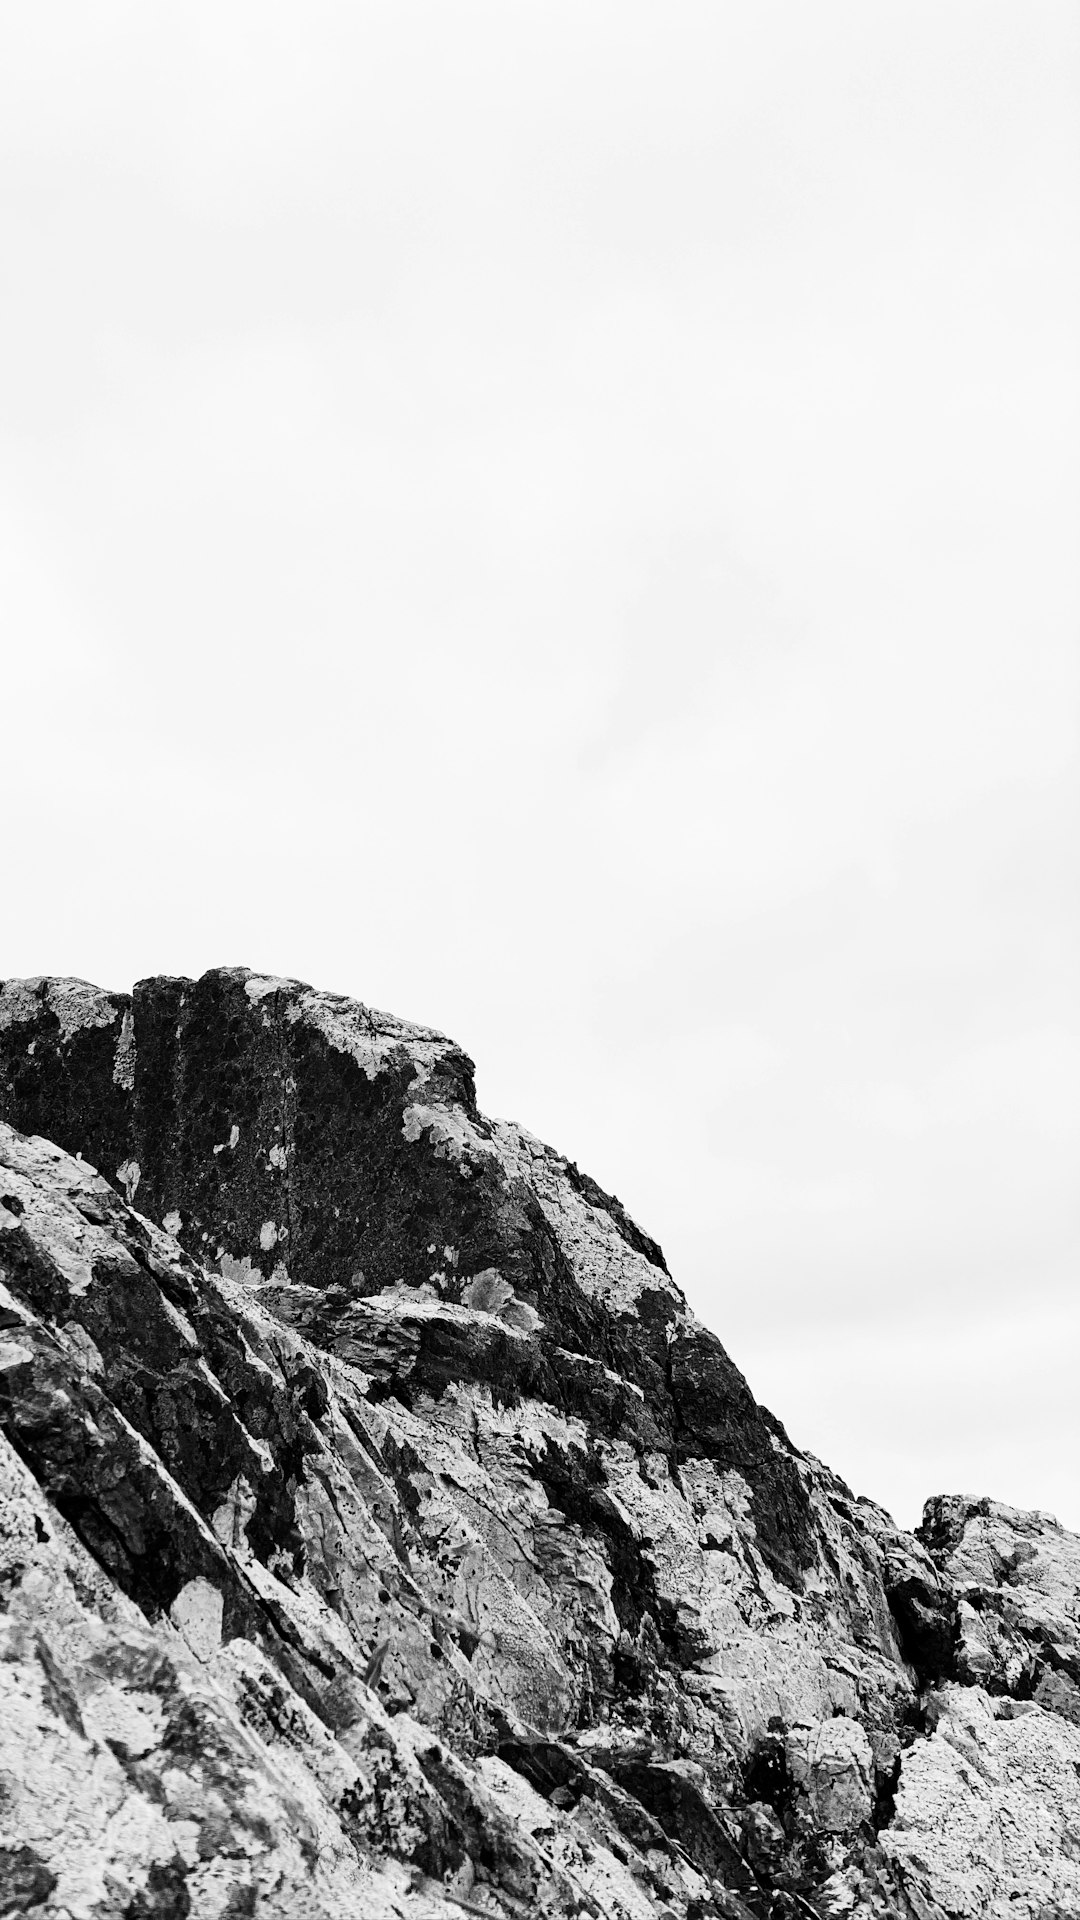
[560,520]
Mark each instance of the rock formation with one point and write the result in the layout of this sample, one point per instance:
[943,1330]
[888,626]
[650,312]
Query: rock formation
[381,1535]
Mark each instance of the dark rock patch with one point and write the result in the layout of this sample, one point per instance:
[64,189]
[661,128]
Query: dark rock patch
[767,1778]
[717,1418]
[681,1805]
[66,1089]
[925,1619]
[165,1896]
[25,1880]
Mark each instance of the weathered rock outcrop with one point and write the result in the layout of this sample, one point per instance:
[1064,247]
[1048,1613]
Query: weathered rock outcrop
[380,1533]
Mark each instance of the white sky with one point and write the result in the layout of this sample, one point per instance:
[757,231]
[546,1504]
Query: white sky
[560,520]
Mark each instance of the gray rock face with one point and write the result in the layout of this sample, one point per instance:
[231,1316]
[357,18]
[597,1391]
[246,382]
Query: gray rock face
[1016,1577]
[380,1533]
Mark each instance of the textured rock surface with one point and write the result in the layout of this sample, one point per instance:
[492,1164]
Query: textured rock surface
[380,1533]
[1016,1577]
[987,1816]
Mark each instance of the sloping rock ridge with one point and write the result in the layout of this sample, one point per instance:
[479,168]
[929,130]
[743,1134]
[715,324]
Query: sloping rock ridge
[381,1535]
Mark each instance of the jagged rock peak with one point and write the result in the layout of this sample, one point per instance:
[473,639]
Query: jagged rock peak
[380,1533]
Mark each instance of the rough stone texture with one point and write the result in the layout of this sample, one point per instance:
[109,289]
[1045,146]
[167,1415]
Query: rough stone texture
[987,1821]
[1016,1577]
[831,1764]
[381,1534]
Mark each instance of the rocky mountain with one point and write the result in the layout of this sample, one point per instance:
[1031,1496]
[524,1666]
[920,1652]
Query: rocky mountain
[381,1535]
